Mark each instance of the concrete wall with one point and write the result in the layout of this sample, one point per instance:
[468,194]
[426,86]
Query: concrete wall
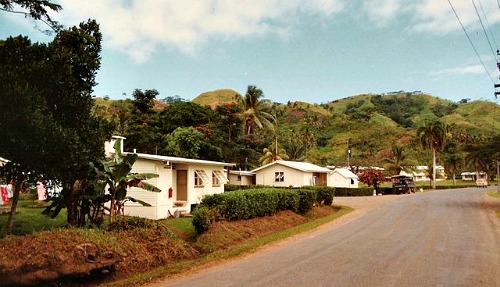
[337,180]
[293,177]
[245,179]
[160,203]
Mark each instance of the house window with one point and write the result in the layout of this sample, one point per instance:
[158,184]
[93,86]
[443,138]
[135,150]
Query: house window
[200,178]
[218,178]
[279,176]
[239,178]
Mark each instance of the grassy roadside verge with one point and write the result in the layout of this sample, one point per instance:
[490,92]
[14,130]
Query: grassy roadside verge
[495,194]
[222,255]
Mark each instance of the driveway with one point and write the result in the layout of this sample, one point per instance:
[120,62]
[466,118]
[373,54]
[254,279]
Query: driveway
[439,238]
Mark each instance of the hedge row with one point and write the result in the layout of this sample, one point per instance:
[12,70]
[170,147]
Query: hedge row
[250,203]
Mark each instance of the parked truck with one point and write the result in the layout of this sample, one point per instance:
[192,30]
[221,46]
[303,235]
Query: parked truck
[402,184]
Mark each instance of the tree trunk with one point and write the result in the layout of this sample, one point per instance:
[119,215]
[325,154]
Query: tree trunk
[433,168]
[13,207]
[71,206]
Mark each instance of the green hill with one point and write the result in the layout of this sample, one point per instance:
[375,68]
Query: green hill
[215,98]
[372,123]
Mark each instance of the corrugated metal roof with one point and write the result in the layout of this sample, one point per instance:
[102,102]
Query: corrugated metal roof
[345,173]
[174,159]
[302,166]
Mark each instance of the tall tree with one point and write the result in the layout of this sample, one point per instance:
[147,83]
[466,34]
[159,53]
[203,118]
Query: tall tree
[47,123]
[398,161]
[453,160]
[433,136]
[483,155]
[255,110]
[272,153]
[143,132]
[184,142]
[37,10]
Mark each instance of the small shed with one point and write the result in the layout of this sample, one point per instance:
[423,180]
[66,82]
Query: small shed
[283,173]
[342,177]
[241,177]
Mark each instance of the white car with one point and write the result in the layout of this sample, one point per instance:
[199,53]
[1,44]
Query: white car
[481,182]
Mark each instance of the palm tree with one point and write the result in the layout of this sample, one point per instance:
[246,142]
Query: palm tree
[398,161]
[432,135]
[255,110]
[273,153]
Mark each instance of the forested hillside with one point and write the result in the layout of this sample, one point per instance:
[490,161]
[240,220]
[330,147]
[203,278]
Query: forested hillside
[244,129]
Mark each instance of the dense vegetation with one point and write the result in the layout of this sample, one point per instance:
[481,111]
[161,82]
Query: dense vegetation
[250,130]
[258,202]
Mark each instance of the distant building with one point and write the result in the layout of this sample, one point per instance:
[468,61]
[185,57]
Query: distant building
[473,176]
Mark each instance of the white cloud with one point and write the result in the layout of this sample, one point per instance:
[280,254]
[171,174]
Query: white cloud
[139,28]
[461,70]
[381,12]
[438,16]
[431,16]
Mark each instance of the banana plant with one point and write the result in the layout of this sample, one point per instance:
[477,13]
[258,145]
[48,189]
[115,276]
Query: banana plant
[115,174]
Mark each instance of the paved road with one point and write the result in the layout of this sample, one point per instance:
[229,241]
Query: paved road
[440,238]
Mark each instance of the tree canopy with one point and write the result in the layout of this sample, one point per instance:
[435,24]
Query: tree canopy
[47,125]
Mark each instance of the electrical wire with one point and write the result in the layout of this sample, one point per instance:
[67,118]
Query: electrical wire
[470,41]
[484,30]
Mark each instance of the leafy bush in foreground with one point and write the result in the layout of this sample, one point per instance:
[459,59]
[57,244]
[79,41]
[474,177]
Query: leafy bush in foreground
[250,203]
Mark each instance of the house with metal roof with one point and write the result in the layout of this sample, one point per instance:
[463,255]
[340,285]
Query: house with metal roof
[283,173]
[342,177]
[241,177]
[183,183]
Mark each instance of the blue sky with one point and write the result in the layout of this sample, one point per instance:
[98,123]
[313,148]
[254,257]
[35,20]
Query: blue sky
[314,51]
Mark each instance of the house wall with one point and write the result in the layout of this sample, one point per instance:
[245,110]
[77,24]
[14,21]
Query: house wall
[245,180]
[196,193]
[293,177]
[339,180]
[161,205]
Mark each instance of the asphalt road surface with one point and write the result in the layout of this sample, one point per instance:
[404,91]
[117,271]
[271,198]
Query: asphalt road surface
[439,238]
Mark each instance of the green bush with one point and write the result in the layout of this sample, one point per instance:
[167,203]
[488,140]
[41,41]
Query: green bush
[325,194]
[307,199]
[202,218]
[288,200]
[257,202]
[344,191]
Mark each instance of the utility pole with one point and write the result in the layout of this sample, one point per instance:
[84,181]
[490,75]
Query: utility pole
[348,153]
[498,176]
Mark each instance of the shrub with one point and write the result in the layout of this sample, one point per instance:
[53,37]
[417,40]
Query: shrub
[344,191]
[202,219]
[307,199]
[257,202]
[288,200]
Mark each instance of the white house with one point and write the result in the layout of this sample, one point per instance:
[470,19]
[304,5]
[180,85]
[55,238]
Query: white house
[471,176]
[183,183]
[283,173]
[342,177]
[421,173]
[241,177]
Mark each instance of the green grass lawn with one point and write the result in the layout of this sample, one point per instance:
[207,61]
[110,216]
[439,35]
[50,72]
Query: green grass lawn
[29,219]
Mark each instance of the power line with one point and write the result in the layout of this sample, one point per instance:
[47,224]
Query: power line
[487,23]
[470,41]
[484,30]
